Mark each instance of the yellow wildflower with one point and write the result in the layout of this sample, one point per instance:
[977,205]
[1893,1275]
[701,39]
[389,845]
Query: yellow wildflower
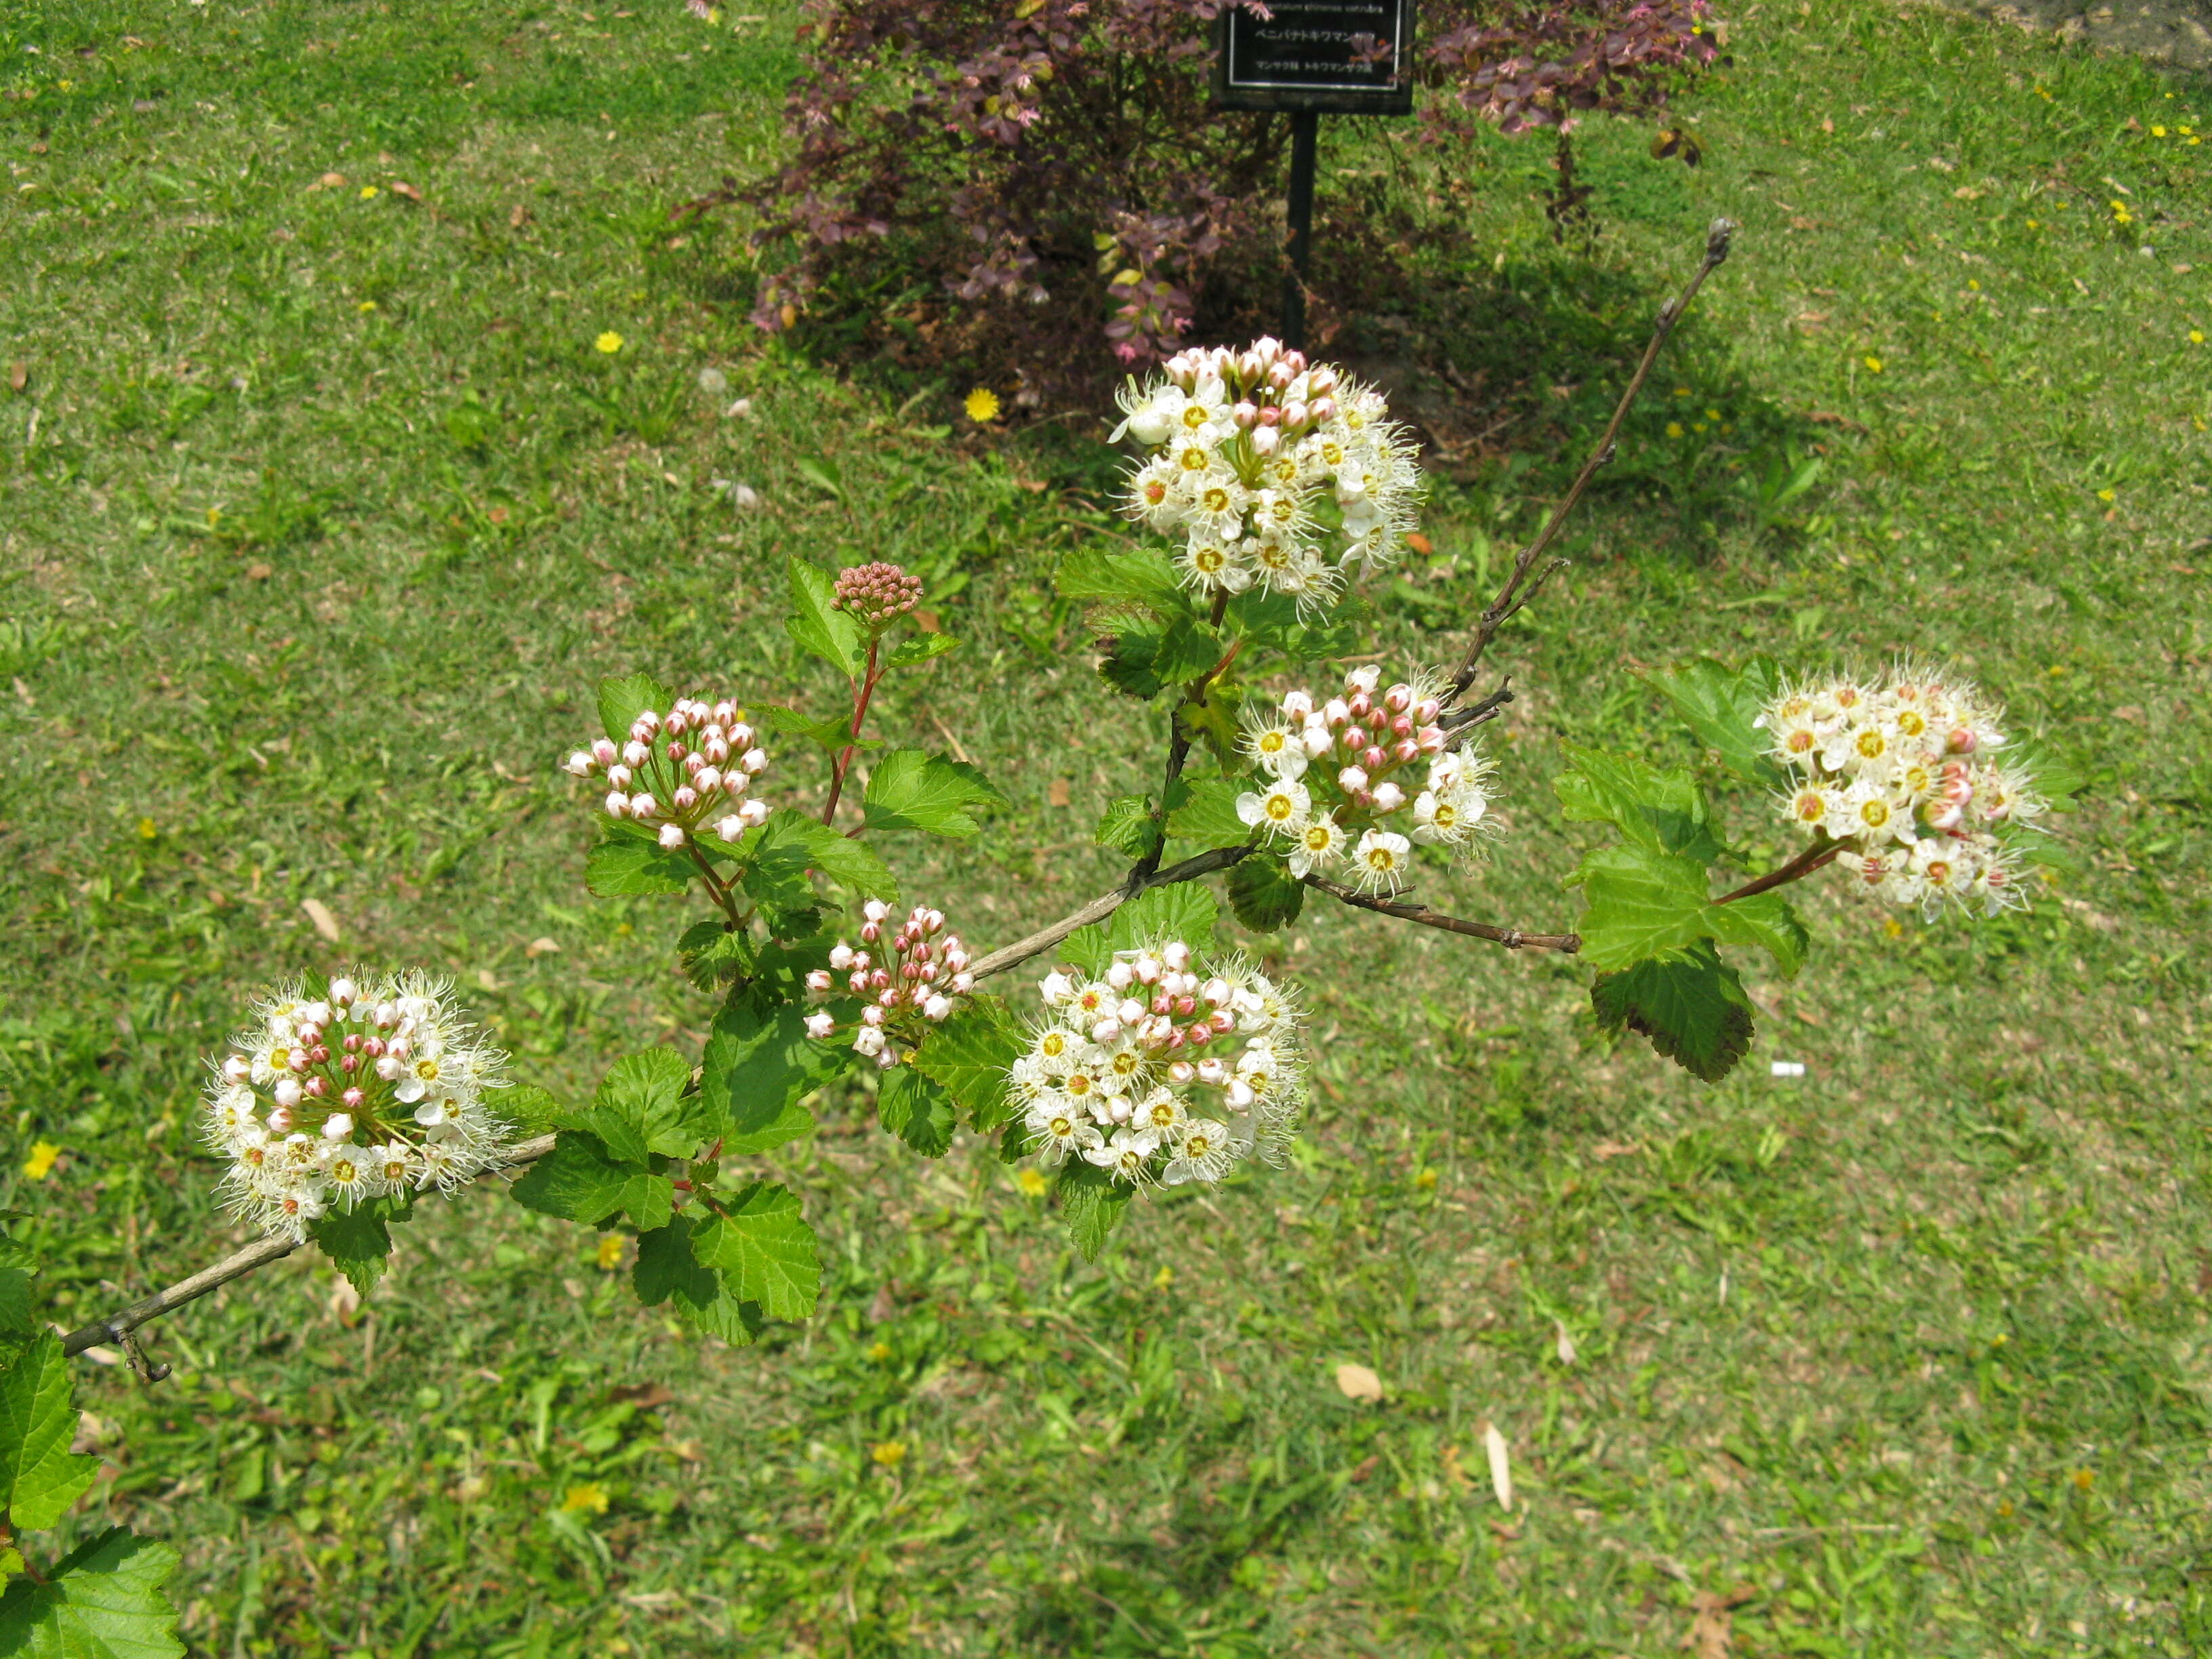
[1874,365]
[609,1253]
[1164,1278]
[1032,1182]
[40,1163]
[365,307]
[890,1453]
[1673,429]
[610,342]
[370,193]
[2106,494]
[981,405]
[589,1497]
[880,1352]
[148,829]
[2158,132]
[2197,336]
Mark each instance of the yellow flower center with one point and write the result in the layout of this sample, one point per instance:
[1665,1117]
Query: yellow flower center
[1054,1045]
[426,1070]
[1196,1146]
[1079,1083]
[1278,808]
[1873,814]
[1801,741]
[1811,808]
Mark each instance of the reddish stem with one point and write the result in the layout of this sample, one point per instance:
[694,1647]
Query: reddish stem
[865,690]
[1819,852]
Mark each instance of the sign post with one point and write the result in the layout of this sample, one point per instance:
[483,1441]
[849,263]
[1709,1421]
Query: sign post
[1309,58]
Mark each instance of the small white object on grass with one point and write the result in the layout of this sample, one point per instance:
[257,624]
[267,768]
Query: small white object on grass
[740,410]
[1787,1068]
[1359,1382]
[713,382]
[1501,1468]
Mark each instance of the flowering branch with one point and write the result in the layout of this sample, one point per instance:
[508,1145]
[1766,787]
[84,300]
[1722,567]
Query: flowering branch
[1179,740]
[1511,938]
[1511,599]
[1106,904]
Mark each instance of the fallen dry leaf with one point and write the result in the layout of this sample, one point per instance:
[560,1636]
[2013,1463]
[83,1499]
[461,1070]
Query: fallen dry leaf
[320,913]
[1358,1382]
[330,181]
[487,979]
[259,573]
[540,947]
[927,621]
[520,217]
[1420,543]
[1566,1348]
[1501,1467]
[345,1301]
[1059,791]
[408,191]
[19,376]
[1616,1149]
[1713,1627]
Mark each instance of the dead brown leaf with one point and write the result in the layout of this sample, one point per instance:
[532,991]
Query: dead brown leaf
[19,376]
[330,181]
[1060,792]
[259,573]
[1358,1382]
[540,947]
[408,191]
[1615,1149]
[1712,1626]
[320,913]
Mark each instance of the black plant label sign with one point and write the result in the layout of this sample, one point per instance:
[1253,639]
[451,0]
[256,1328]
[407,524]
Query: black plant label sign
[1352,58]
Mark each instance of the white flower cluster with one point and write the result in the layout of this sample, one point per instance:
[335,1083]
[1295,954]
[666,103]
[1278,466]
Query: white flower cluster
[686,769]
[921,976]
[1899,768]
[1331,771]
[1162,1070]
[1274,473]
[367,1089]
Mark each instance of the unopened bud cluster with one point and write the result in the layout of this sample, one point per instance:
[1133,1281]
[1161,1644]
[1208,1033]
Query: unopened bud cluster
[1274,473]
[1338,780]
[363,1091]
[1163,1069]
[916,977]
[877,595]
[687,770]
[1902,769]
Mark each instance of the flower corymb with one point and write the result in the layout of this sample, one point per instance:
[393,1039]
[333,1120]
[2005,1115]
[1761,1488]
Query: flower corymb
[688,770]
[1900,769]
[1162,1070]
[1338,780]
[912,982]
[1274,473]
[362,1090]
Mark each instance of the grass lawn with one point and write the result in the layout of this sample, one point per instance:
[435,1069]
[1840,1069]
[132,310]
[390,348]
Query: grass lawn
[321,513]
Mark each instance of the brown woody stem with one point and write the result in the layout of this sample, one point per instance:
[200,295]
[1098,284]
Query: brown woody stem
[1511,938]
[1509,597]
[1819,852]
[862,692]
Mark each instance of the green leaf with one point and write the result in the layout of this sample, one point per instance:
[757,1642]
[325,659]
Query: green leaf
[101,1600]
[910,653]
[526,1106]
[1719,704]
[640,1108]
[2058,781]
[577,1181]
[1126,826]
[1642,903]
[764,1250]
[831,735]
[668,1269]
[908,789]
[1203,810]
[917,1109]
[758,1067]
[815,625]
[1181,911]
[1140,576]
[1127,663]
[40,1476]
[1694,1009]
[629,860]
[622,701]
[1264,893]
[16,1303]
[1766,920]
[1663,810]
[1270,621]
[1094,1203]
[969,1054]
[790,843]
[359,1241]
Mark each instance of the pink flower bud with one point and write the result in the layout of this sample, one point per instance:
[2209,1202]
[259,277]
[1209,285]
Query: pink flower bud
[1245,415]
[1182,1072]
[1355,736]
[1388,798]
[645,725]
[237,1069]
[755,763]
[636,753]
[1223,1020]
[872,1015]
[580,764]
[725,712]
[1335,712]
[1297,704]
[603,751]
[878,979]
[617,804]
[1430,740]
[732,828]
[280,1121]
[1359,705]
[351,1099]
[936,1007]
[677,752]
[961,984]
[1404,750]
[1295,415]
[619,777]
[1198,1034]
[1373,757]
[684,798]
[1323,410]
[287,1092]
[671,837]
[870,932]
[1352,779]
[317,1086]
[1264,442]
[754,813]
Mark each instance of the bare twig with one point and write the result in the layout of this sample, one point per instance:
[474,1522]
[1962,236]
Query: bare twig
[117,1328]
[1465,720]
[1510,598]
[1105,905]
[1511,938]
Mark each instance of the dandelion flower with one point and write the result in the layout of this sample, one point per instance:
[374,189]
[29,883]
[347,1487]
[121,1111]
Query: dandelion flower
[1874,365]
[609,342]
[40,1163]
[981,405]
[370,193]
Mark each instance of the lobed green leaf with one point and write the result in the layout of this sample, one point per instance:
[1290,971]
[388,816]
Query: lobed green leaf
[969,1055]
[1126,826]
[40,1476]
[815,625]
[1693,1008]
[763,1249]
[909,789]
[101,1600]
[1719,705]
[759,1066]
[1264,894]
[623,700]
[629,862]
